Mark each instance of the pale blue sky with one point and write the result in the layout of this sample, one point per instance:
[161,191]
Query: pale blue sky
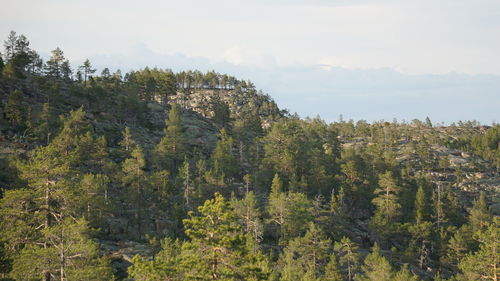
[373,60]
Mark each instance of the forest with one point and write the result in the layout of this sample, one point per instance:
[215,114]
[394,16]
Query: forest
[157,175]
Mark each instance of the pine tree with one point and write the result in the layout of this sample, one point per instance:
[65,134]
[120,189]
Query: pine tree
[386,201]
[422,210]
[480,216]
[332,270]
[69,254]
[337,213]
[15,110]
[217,250]
[422,231]
[56,65]
[485,263]
[306,256]
[87,70]
[134,177]
[165,265]
[277,208]
[376,267]
[276,186]
[187,184]
[405,275]
[223,161]
[127,143]
[458,246]
[46,125]
[290,213]
[172,147]
[248,215]
[346,250]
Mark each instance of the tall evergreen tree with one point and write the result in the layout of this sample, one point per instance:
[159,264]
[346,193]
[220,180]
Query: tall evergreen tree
[347,251]
[55,66]
[376,267]
[485,263]
[217,250]
[249,216]
[172,147]
[480,215]
[306,256]
[386,201]
[68,255]
[86,70]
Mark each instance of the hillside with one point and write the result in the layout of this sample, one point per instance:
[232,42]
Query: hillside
[156,175]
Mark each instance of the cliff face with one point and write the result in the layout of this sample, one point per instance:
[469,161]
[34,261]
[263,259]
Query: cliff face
[238,103]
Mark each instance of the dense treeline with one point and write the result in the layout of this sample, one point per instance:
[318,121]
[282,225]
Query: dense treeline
[86,163]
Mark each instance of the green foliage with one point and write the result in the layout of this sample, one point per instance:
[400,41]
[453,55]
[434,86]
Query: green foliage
[15,110]
[347,251]
[422,209]
[386,201]
[108,173]
[480,216]
[165,266]
[248,215]
[67,254]
[171,149]
[217,250]
[290,213]
[223,161]
[485,263]
[332,270]
[376,267]
[306,256]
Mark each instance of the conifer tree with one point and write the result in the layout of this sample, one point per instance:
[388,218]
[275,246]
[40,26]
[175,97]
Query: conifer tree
[290,212]
[15,110]
[127,142]
[223,161]
[248,215]
[422,230]
[480,215]
[405,275]
[134,177]
[217,250]
[69,254]
[485,263]
[376,267]
[332,270]
[422,210]
[165,265]
[56,65]
[171,149]
[86,69]
[46,125]
[386,202]
[187,184]
[306,256]
[346,250]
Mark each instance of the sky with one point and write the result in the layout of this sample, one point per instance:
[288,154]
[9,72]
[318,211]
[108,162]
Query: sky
[363,59]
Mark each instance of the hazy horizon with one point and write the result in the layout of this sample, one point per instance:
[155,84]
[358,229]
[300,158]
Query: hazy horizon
[367,60]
